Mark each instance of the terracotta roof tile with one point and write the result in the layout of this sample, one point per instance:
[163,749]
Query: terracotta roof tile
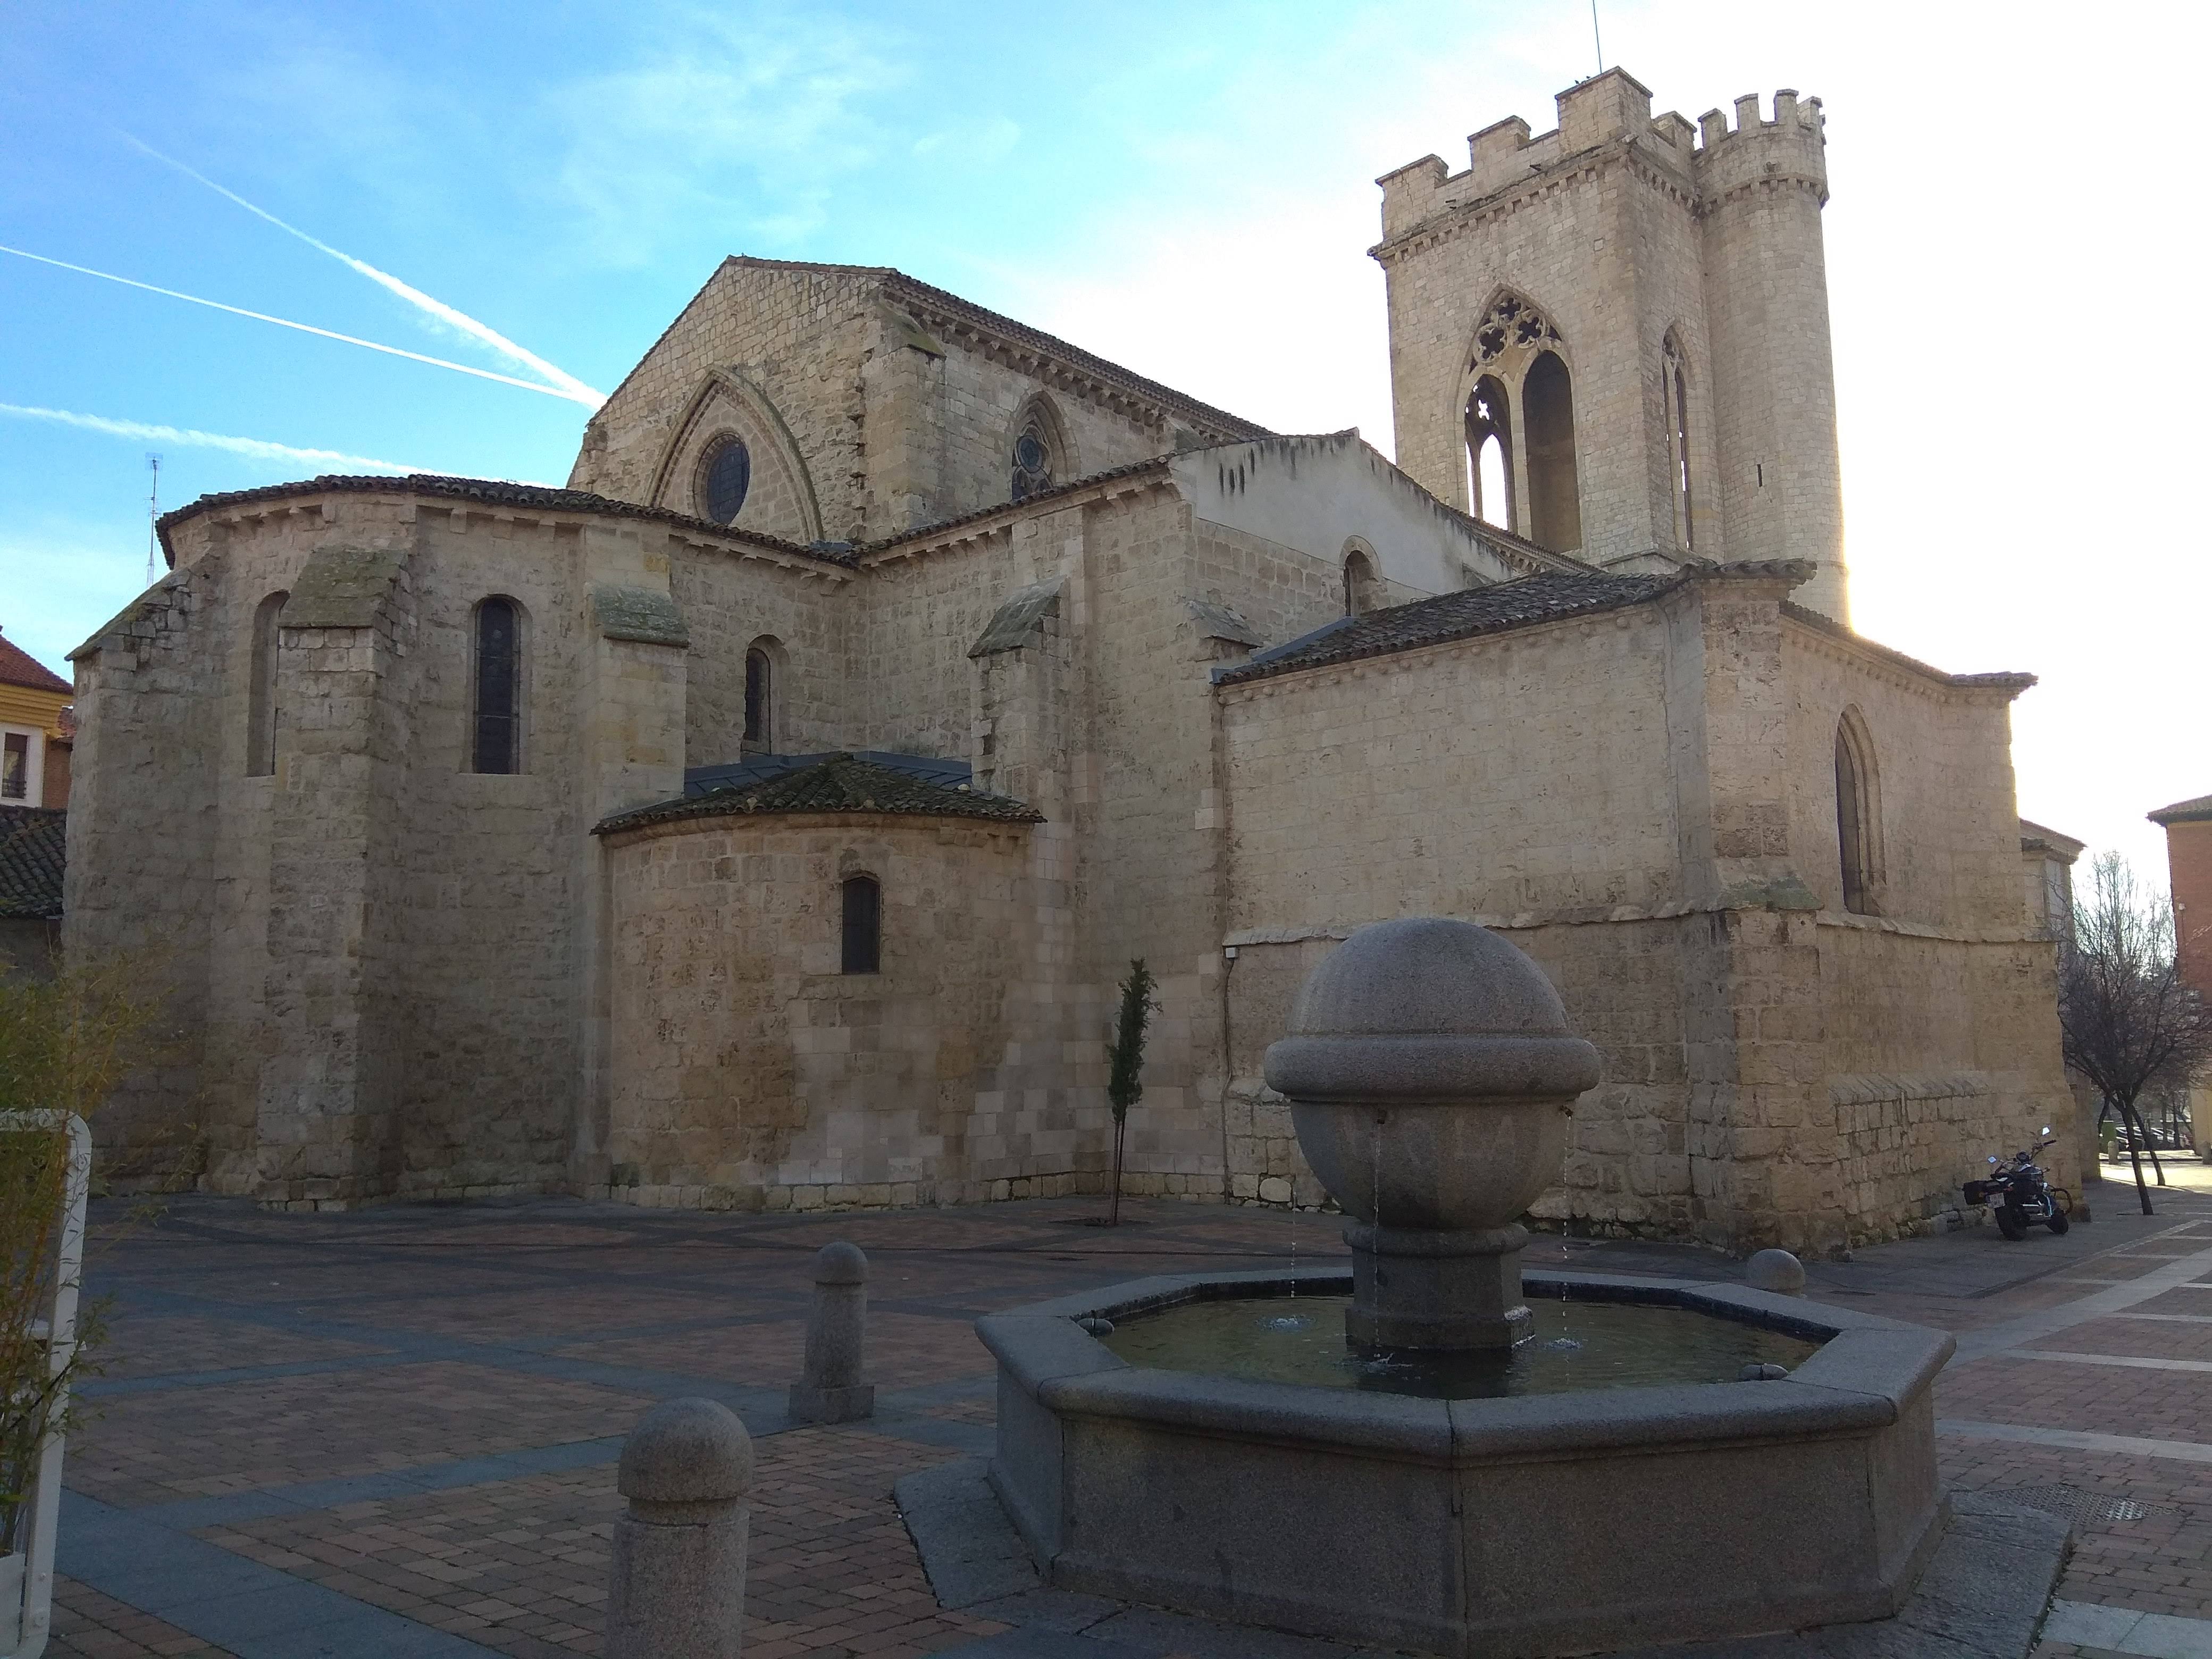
[32,851]
[840,783]
[20,667]
[2184,812]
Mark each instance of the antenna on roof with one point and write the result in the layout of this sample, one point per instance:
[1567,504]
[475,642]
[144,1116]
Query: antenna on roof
[153,520]
[1597,37]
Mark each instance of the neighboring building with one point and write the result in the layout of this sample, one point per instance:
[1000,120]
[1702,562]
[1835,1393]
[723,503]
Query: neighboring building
[36,731]
[32,850]
[2188,826]
[765,819]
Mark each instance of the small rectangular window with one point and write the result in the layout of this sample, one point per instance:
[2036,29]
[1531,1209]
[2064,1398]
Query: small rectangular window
[863,926]
[15,771]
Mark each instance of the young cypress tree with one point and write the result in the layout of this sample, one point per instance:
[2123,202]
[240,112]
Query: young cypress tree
[1124,1082]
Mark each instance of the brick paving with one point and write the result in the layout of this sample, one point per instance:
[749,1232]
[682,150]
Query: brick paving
[417,1409]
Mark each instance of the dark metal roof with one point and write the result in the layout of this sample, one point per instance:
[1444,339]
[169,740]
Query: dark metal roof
[832,783]
[1459,616]
[759,768]
[2184,812]
[32,848]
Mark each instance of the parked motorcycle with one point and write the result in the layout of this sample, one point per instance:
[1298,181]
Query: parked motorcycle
[2018,1196]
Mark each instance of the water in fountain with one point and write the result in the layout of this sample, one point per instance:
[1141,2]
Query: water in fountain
[1291,1319]
[1619,1346]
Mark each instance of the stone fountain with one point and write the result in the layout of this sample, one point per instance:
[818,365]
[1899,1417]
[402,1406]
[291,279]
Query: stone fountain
[1430,1493]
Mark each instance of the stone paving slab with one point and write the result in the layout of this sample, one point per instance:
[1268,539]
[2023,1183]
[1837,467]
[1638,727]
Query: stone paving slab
[419,1408]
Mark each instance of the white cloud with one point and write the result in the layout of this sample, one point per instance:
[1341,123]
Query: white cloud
[258,449]
[457,323]
[743,122]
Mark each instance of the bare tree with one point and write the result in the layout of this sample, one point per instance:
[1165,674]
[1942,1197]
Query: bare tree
[2129,1021]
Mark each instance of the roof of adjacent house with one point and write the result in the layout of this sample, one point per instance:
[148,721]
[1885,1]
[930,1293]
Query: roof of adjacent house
[833,783]
[2041,838]
[32,851]
[1456,615]
[19,667]
[2184,812]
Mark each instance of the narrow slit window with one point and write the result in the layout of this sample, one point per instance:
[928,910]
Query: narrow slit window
[261,693]
[499,687]
[1856,831]
[1674,391]
[759,675]
[863,924]
[1360,586]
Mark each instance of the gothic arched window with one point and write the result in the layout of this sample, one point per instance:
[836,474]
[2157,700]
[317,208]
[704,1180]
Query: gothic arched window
[863,925]
[725,473]
[498,687]
[1032,459]
[1547,410]
[1490,453]
[760,696]
[1858,818]
[1674,392]
[261,691]
[1361,587]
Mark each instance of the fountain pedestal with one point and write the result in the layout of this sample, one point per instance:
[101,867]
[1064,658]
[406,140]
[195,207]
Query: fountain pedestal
[1432,1079]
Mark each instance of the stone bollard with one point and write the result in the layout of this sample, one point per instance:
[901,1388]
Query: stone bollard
[1776,1270]
[678,1586]
[829,1390]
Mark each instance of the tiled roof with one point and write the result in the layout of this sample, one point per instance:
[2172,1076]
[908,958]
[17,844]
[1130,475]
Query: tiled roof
[20,667]
[898,286]
[2042,838]
[1827,624]
[1457,615]
[32,849]
[2184,812]
[838,783]
[497,492]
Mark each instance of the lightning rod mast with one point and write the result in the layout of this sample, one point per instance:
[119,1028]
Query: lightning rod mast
[153,517]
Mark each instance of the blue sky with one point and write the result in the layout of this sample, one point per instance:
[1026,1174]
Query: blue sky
[1188,190]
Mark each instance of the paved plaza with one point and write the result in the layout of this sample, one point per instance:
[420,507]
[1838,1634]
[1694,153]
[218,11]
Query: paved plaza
[394,1433]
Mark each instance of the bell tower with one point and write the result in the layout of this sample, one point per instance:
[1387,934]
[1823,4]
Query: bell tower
[1611,337]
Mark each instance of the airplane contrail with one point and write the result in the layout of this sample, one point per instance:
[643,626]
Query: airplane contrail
[259,448]
[414,296]
[593,401]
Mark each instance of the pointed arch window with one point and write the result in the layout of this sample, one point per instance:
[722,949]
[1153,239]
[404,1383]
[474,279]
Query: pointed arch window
[1490,453]
[1674,391]
[497,685]
[1858,817]
[863,941]
[1038,458]
[261,691]
[760,692]
[1362,588]
[1547,410]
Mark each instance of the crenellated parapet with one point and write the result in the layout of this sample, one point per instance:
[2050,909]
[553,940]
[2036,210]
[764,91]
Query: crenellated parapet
[1754,153]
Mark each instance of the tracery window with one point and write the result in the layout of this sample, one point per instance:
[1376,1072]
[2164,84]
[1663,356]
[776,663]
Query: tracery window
[1032,459]
[1674,391]
[498,687]
[1490,453]
[863,942]
[1512,321]
[261,688]
[725,474]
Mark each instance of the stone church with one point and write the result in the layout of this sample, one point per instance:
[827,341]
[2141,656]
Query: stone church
[763,820]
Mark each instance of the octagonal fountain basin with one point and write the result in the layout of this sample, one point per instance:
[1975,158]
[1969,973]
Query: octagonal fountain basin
[1551,1501]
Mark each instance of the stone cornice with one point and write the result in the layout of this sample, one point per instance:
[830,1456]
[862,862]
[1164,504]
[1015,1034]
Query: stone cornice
[1144,477]
[1603,916]
[1823,636]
